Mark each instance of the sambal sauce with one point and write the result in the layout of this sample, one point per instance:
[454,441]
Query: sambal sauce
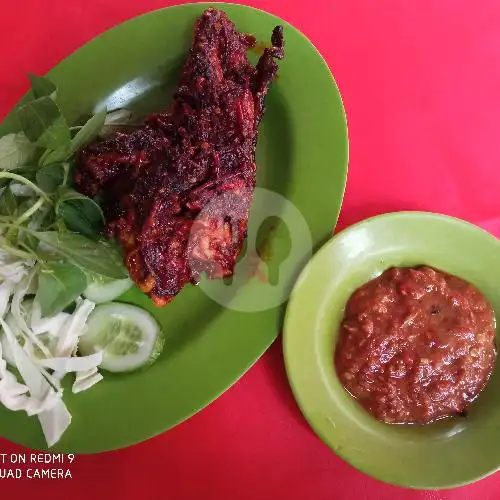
[416,345]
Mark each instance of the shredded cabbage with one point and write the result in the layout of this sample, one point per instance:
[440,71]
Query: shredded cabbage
[73,328]
[37,384]
[54,422]
[12,270]
[43,350]
[16,309]
[19,189]
[73,364]
[86,379]
[51,324]
[6,289]
[12,393]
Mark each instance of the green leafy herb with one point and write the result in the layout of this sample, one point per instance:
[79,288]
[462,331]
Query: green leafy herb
[41,217]
[56,136]
[16,150]
[50,177]
[59,284]
[41,220]
[88,132]
[26,182]
[8,203]
[95,256]
[27,209]
[42,160]
[28,172]
[54,156]
[80,213]
[37,116]
[41,86]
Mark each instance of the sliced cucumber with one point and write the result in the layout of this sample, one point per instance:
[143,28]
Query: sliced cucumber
[102,289]
[128,336]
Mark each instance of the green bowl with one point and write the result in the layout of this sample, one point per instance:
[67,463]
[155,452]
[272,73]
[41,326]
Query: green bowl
[440,455]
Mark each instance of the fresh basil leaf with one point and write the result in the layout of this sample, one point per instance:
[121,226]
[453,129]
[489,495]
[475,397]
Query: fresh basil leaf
[8,202]
[80,213]
[62,145]
[54,156]
[50,177]
[59,284]
[99,257]
[16,150]
[42,160]
[56,136]
[67,194]
[37,116]
[41,86]
[88,132]
[81,217]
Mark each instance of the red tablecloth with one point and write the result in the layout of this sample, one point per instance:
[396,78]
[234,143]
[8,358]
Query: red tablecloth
[421,85]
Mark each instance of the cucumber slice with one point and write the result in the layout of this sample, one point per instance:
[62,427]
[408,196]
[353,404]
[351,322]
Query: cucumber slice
[128,336]
[102,289]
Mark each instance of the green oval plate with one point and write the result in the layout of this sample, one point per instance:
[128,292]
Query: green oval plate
[444,454]
[301,154]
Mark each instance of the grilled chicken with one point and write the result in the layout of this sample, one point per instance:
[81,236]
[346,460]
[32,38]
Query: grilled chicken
[177,191]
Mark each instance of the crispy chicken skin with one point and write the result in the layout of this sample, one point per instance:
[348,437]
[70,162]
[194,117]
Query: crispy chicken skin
[177,191]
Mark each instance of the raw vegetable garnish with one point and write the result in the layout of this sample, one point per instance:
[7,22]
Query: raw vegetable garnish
[50,252]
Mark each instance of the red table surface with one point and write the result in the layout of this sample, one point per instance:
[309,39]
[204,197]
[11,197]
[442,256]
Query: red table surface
[421,85]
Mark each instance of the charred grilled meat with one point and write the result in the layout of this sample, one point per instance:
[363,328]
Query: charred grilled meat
[177,192]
